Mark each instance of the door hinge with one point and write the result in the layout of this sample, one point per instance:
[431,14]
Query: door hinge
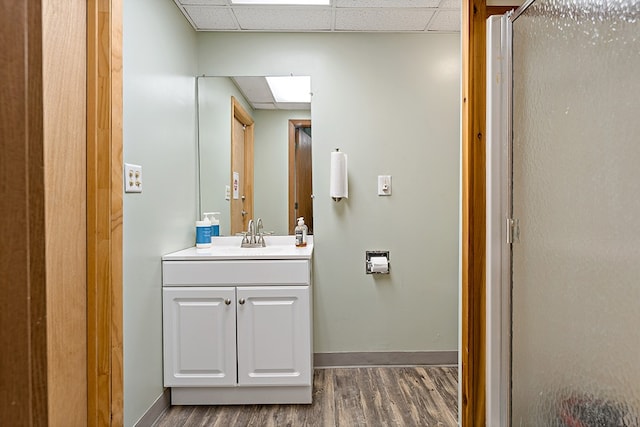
[295,205]
[513,230]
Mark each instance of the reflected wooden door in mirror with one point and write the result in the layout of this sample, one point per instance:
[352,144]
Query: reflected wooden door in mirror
[300,173]
[241,167]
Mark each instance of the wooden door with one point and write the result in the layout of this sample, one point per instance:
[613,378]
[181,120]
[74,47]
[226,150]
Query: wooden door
[199,332]
[274,335]
[300,174]
[241,167]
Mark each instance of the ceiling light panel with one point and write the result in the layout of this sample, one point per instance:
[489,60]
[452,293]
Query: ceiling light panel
[283,19]
[290,88]
[383,19]
[211,18]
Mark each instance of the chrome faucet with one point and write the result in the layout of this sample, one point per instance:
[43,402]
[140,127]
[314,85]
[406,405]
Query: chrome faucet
[251,232]
[254,236]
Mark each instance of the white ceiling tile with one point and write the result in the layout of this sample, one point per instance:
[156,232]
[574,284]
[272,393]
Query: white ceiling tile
[263,106]
[349,15]
[450,4]
[211,17]
[445,20]
[283,19]
[254,88]
[385,19]
[204,2]
[387,3]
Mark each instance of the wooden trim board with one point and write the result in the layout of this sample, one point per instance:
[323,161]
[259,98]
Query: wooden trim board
[104,213]
[473,238]
[64,107]
[472,371]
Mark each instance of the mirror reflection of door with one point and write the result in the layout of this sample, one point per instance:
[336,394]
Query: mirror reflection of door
[300,187]
[241,168]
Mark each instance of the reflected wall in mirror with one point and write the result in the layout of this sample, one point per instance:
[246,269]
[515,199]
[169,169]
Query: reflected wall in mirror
[274,153]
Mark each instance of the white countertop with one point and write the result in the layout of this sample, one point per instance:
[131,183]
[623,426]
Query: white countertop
[228,248]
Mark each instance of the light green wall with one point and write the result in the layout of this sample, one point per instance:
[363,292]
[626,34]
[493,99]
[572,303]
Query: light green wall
[160,63]
[391,102]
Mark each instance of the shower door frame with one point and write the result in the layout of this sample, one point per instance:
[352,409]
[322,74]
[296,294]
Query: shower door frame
[499,209]
[501,230]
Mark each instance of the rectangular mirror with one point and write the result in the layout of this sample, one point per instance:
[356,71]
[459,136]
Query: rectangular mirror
[271,173]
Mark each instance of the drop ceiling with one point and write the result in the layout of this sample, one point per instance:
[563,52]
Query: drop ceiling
[403,16]
[257,92]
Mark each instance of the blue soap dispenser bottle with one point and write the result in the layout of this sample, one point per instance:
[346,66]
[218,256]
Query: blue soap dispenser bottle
[215,222]
[203,233]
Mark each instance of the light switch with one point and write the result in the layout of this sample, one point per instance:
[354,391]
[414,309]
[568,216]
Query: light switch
[384,185]
[227,192]
[132,178]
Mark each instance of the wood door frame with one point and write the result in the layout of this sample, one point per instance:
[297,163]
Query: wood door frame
[293,124]
[50,144]
[104,214]
[473,237]
[238,112]
[104,228]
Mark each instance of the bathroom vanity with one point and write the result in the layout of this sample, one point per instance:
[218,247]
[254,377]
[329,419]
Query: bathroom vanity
[237,323]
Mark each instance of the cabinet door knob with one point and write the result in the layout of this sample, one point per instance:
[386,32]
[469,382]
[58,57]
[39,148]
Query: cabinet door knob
[241,301]
[227,301]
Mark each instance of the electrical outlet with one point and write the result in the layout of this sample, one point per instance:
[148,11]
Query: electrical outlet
[384,185]
[132,178]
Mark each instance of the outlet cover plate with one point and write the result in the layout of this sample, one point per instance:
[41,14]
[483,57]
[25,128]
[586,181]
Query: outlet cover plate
[132,178]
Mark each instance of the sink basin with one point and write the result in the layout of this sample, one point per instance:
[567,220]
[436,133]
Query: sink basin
[228,247]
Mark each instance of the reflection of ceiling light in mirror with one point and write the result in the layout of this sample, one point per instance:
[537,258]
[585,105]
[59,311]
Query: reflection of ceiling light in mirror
[292,2]
[290,89]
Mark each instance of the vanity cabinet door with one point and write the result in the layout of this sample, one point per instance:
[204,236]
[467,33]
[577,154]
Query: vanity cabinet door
[199,336]
[274,335]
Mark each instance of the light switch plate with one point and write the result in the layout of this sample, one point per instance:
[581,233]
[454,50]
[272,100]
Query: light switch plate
[132,178]
[384,185]
[227,192]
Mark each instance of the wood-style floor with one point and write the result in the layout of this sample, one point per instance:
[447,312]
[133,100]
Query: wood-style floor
[345,397]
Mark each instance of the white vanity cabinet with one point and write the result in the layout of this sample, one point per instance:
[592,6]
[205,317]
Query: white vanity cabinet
[199,329]
[237,331]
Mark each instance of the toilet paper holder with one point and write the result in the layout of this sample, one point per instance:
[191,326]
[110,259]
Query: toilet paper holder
[371,267]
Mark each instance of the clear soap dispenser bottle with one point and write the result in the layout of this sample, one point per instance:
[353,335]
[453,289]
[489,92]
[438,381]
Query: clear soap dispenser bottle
[301,233]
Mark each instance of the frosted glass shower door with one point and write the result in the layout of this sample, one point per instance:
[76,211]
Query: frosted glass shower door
[575,284]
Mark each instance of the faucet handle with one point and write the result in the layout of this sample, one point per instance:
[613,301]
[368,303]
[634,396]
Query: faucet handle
[244,237]
[261,235]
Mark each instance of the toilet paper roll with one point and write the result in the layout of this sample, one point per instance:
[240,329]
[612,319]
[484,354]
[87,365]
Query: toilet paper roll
[338,186]
[379,264]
